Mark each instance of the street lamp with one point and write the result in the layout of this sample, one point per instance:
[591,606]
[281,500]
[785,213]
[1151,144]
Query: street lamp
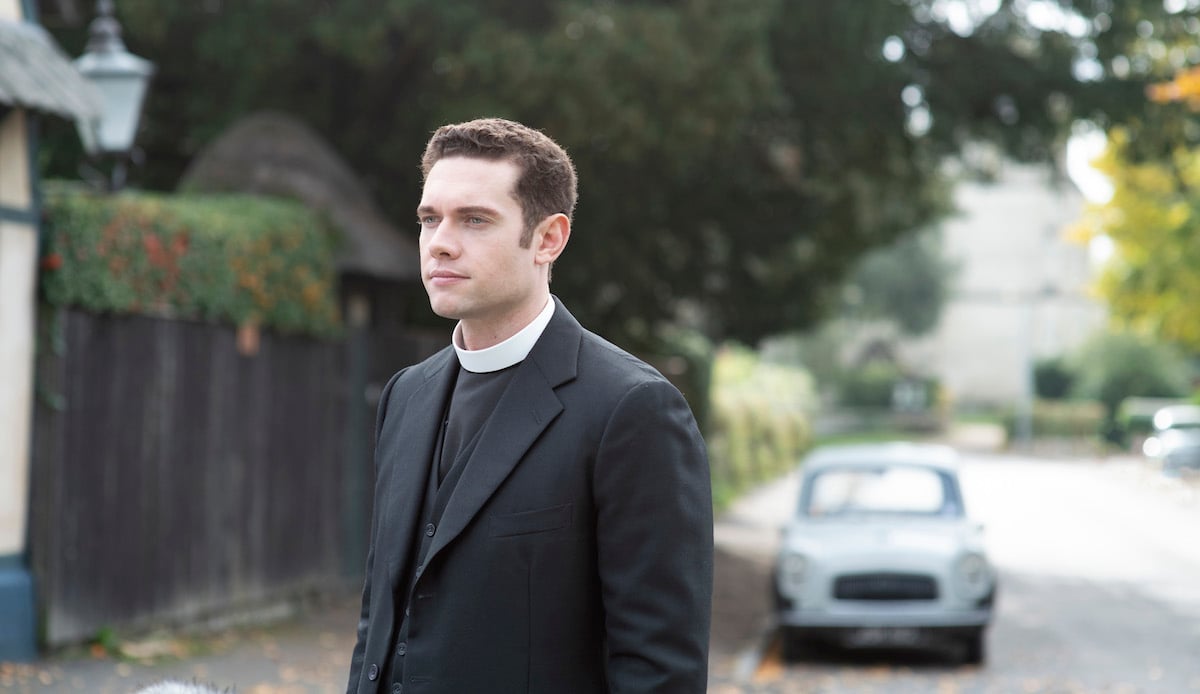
[121,78]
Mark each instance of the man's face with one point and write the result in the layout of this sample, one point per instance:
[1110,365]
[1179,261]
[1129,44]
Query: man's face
[472,264]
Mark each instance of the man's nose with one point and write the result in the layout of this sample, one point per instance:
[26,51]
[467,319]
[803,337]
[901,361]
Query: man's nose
[442,240]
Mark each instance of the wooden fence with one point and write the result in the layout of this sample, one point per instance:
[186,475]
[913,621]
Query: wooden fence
[176,478]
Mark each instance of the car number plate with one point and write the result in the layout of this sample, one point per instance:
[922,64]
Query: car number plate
[883,636]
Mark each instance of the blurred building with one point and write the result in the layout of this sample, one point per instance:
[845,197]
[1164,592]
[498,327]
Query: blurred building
[1022,292]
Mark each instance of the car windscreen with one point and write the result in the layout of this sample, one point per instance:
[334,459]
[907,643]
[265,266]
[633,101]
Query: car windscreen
[886,489]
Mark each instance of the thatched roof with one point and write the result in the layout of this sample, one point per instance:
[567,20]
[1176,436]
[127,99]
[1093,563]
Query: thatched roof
[273,153]
[37,75]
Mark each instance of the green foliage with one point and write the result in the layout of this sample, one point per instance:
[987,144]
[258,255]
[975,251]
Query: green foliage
[907,282]
[686,358]
[1153,163]
[817,352]
[107,641]
[235,258]
[1070,419]
[1146,42]
[738,371]
[736,156]
[882,385]
[877,394]
[1116,366]
[869,386]
[1153,219]
[758,426]
[1053,378]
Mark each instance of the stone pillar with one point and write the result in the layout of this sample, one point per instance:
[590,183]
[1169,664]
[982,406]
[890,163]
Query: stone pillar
[18,271]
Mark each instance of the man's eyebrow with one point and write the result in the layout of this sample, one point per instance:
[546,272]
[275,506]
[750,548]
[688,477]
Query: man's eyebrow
[462,211]
[477,209]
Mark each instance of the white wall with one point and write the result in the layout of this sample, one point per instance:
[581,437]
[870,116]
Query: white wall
[18,258]
[1022,292]
[10,9]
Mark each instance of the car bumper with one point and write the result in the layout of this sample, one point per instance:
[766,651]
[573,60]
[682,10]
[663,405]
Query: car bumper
[851,617]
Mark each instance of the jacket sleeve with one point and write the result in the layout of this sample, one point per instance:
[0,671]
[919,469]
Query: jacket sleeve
[364,618]
[654,530]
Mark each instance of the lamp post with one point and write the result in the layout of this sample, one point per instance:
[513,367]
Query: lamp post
[121,78]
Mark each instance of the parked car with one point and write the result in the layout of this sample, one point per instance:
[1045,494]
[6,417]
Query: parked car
[881,553]
[1175,443]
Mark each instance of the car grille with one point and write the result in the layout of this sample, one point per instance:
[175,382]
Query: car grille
[885,586]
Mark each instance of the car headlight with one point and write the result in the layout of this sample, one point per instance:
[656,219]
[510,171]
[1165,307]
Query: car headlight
[974,576]
[792,569]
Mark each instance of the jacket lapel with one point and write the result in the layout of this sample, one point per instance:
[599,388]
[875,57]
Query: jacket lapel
[411,454]
[527,407]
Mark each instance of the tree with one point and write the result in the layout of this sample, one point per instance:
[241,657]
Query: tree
[1153,162]
[906,282]
[1144,43]
[1151,282]
[1114,366]
[1053,378]
[1184,87]
[737,157]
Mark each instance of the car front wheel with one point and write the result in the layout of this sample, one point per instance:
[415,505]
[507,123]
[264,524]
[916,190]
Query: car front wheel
[974,652]
[792,644]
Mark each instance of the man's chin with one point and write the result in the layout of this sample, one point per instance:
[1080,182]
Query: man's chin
[446,309]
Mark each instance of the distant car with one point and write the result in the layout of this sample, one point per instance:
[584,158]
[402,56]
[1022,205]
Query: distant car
[880,553]
[1175,442]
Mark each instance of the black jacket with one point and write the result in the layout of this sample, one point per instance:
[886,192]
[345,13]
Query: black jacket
[575,552]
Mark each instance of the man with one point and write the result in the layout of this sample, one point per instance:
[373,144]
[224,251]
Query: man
[543,512]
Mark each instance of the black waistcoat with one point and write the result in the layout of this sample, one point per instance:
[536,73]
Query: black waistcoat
[473,398]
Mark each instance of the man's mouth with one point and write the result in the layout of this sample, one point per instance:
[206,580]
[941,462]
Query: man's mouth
[442,277]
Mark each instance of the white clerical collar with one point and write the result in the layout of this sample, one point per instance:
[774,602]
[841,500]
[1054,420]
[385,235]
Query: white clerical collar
[505,354]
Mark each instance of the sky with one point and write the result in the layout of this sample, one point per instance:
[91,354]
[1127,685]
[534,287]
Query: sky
[963,16]
[1083,147]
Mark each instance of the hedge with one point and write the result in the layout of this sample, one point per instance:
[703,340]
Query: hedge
[758,425]
[240,259]
[1076,419]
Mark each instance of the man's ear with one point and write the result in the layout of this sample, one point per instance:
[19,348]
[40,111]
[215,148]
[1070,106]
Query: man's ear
[551,238]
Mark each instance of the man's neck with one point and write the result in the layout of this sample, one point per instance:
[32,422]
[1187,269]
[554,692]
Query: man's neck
[507,353]
[481,334]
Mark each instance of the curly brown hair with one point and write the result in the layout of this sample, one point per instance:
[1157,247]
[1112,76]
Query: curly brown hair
[546,184]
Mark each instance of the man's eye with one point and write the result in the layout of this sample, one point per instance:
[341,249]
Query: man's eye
[476,221]
[427,221]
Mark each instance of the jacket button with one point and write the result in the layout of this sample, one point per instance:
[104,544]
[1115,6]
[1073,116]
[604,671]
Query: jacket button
[401,648]
[397,689]
[373,672]
[430,530]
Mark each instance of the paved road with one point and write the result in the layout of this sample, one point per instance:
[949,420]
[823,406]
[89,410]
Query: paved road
[1100,566]
[1100,592]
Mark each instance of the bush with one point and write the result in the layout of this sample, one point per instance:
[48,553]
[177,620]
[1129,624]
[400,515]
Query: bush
[1052,379]
[235,258]
[758,423]
[883,386]
[871,386]
[1113,367]
[1072,419]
